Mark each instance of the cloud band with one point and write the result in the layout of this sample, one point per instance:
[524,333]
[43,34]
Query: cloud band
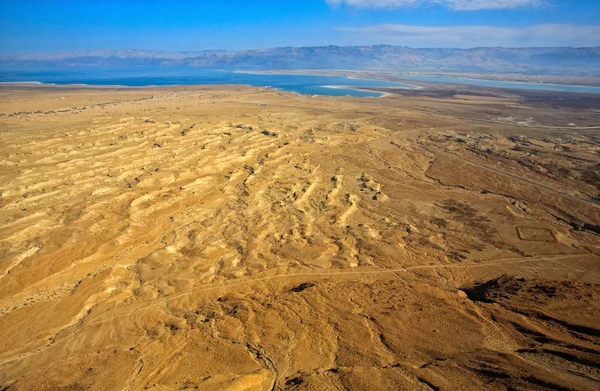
[471,36]
[458,5]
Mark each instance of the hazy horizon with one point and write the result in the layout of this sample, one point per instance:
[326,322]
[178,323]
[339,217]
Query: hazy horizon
[183,25]
[133,49]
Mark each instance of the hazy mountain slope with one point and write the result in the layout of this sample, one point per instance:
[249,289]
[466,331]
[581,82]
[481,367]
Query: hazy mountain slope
[378,57]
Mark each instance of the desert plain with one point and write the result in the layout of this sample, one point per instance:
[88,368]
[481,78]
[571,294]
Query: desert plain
[240,238]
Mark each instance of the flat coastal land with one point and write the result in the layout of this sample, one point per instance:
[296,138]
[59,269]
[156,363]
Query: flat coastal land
[240,238]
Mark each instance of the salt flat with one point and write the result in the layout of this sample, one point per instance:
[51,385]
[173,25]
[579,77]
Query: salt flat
[238,238]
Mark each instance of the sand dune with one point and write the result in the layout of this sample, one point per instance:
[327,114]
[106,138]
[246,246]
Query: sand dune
[239,238]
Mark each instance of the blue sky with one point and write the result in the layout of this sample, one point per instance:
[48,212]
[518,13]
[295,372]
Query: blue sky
[188,25]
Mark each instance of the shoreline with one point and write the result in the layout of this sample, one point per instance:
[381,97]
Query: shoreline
[506,81]
[383,93]
[330,75]
[398,75]
[557,80]
[113,86]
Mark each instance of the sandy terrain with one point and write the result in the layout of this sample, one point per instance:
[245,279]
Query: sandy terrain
[238,238]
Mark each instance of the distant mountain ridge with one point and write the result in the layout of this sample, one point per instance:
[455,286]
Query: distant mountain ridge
[547,60]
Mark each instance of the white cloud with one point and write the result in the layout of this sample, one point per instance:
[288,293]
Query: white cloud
[459,5]
[472,36]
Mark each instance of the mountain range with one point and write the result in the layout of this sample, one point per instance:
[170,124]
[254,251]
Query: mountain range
[542,60]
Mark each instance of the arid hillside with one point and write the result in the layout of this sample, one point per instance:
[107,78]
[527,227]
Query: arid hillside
[237,238]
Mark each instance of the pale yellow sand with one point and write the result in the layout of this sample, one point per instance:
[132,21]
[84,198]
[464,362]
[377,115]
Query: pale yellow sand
[244,239]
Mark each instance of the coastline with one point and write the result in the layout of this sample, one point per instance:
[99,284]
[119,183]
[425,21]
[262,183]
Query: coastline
[120,86]
[386,75]
[504,81]
[384,94]
[414,86]
[560,80]
[454,82]
[23,82]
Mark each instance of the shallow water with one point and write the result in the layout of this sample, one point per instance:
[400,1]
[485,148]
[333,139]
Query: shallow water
[301,84]
[501,84]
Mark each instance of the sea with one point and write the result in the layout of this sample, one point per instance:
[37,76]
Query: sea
[136,77]
[301,84]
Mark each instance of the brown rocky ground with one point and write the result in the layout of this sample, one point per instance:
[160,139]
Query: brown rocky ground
[236,238]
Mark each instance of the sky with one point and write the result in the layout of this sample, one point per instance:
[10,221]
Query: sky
[193,25]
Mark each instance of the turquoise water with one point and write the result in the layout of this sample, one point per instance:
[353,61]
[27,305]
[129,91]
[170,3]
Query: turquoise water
[301,84]
[501,84]
[137,77]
